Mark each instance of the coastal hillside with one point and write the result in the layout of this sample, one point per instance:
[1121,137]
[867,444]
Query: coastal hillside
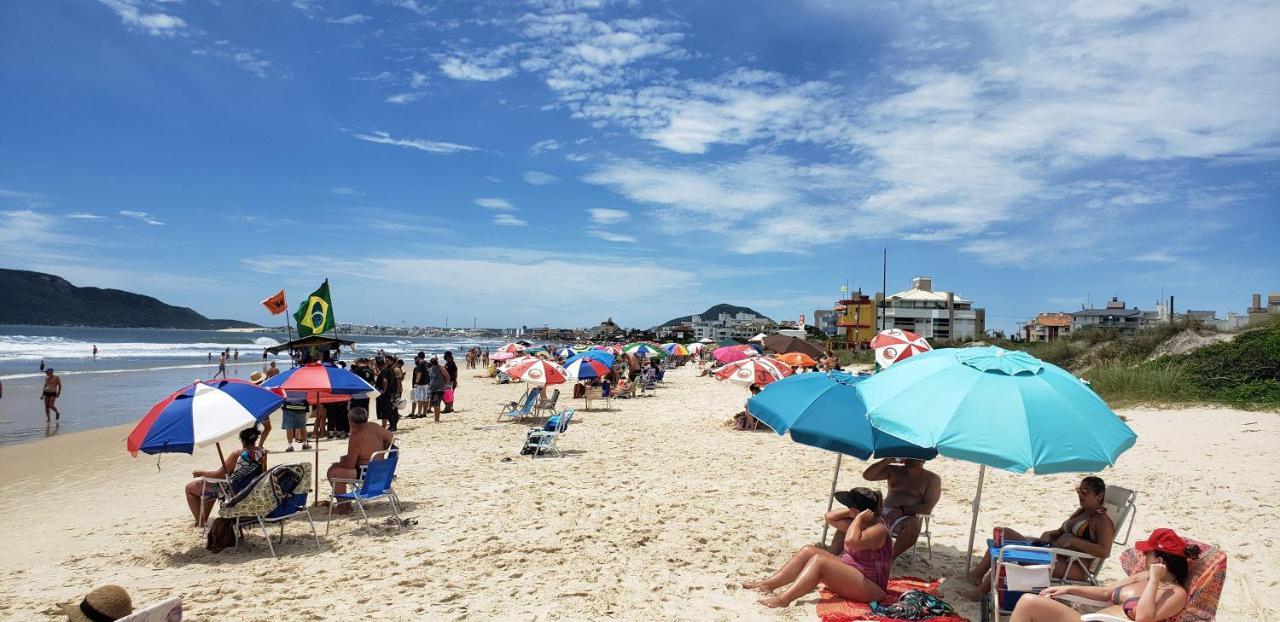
[49,300]
[712,313]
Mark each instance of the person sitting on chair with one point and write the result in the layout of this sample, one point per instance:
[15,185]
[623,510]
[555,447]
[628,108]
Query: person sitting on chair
[239,468]
[1157,593]
[363,442]
[861,573]
[913,491]
[743,420]
[1089,530]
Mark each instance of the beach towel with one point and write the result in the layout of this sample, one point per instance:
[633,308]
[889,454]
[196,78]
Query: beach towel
[834,608]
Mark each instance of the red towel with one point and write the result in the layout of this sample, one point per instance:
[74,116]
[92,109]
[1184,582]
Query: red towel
[833,608]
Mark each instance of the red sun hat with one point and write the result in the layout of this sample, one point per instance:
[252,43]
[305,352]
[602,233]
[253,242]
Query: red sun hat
[1165,541]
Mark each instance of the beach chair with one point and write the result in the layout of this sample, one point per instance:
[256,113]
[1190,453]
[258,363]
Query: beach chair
[540,440]
[274,497]
[626,393]
[547,407]
[222,484]
[1016,570]
[925,535]
[373,483]
[1205,579]
[1121,504]
[164,611]
[523,408]
[601,392]
[660,376]
[648,386]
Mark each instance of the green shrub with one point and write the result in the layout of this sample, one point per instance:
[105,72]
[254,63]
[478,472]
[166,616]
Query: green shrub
[1123,382]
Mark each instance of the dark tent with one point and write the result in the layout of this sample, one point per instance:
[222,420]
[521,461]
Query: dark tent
[783,344]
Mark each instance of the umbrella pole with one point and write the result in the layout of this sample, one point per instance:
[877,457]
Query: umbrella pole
[316,500]
[831,498]
[221,458]
[973,525]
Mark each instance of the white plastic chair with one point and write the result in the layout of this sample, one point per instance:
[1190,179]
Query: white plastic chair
[1121,505]
[926,535]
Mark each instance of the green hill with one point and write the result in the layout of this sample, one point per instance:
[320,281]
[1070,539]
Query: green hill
[48,300]
[713,313]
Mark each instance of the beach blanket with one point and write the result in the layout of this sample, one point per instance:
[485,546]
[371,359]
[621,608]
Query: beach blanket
[833,608]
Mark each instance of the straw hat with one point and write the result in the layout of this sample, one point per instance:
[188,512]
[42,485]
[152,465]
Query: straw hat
[109,602]
[257,377]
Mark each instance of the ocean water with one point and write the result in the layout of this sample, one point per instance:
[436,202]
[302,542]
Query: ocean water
[135,368]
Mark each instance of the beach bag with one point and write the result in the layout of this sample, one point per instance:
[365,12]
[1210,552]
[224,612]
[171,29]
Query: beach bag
[448,395]
[221,535]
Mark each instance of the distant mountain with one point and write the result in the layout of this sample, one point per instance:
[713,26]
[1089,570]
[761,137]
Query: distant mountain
[48,300]
[713,313]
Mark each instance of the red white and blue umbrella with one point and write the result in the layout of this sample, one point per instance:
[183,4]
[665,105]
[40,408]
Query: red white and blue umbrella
[201,414]
[322,380]
[585,367]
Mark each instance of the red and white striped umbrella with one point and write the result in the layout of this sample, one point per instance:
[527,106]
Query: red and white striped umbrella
[895,344]
[755,370]
[516,360]
[513,348]
[540,372]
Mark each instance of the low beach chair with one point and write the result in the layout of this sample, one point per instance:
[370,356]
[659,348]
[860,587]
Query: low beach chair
[601,392]
[1205,580]
[540,440]
[374,483]
[221,484]
[660,376]
[1121,505]
[274,497]
[547,407]
[523,408]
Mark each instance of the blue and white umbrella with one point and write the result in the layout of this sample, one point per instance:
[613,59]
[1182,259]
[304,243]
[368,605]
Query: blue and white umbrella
[565,352]
[201,414]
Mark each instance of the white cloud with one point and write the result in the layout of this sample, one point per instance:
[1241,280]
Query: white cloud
[611,236]
[541,146]
[27,235]
[607,216]
[85,216]
[508,220]
[133,14]
[494,203]
[140,216]
[345,190]
[469,69]
[244,58]
[404,98]
[539,178]
[354,18]
[430,146]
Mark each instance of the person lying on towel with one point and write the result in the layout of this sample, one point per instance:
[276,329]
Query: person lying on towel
[860,573]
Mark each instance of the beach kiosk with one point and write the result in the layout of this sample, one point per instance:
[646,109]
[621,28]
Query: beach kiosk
[313,349]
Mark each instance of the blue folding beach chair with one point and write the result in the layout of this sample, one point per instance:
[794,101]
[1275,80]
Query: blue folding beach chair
[260,502]
[374,483]
[540,440]
[524,408]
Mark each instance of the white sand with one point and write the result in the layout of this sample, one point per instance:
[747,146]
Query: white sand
[657,513]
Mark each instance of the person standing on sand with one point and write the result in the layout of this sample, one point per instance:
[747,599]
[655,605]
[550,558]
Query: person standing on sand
[419,392]
[437,381]
[452,368]
[50,394]
[222,367]
[633,366]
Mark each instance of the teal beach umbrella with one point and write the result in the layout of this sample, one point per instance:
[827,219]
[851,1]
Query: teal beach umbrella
[999,408]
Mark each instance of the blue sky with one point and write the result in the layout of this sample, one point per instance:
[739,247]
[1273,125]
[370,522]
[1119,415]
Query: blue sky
[560,161]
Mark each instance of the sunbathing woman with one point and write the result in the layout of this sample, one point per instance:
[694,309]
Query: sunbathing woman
[1154,594]
[240,468]
[1089,530]
[861,573]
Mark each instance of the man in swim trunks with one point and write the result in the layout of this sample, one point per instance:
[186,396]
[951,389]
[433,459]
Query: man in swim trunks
[365,439]
[51,392]
[913,491]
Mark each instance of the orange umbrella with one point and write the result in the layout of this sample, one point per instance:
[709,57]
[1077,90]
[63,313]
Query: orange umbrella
[796,359]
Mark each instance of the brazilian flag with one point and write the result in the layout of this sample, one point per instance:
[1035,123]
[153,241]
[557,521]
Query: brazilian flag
[316,314]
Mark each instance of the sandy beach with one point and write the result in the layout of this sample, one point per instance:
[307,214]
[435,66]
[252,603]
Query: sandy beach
[657,512]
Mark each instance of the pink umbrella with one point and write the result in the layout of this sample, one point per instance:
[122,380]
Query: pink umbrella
[502,356]
[755,370]
[538,371]
[614,350]
[729,354]
[895,344]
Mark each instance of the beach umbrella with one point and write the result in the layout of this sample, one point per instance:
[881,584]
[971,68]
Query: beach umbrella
[783,344]
[706,341]
[579,347]
[319,381]
[513,348]
[614,350]
[539,372]
[998,408]
[534,349]
[644,349]
[503,356]
[756,370]
[599,355]
[565,353]
[729,354]
[728,342]
[201,414]
[796,359]
[895,344]
[695,348]
[585,367]
[757,338]
[675,349]
[517,360]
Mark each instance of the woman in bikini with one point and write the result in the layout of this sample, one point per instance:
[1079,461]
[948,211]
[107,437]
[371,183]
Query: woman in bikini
[860,573]
[1089,530]
[1154,594]
[239,469]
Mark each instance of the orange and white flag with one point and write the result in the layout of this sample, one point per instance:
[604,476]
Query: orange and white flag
[276,304]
